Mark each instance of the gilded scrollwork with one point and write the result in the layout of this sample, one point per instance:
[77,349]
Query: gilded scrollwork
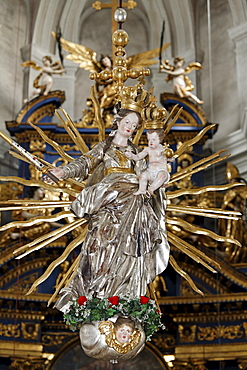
[10,190]
[10,330]
[35,174]
[52,340]
[189,364]
[159,286]
[37,144]
[227,332]
[28,364]
[164,341]
[245,329]
[186,291]
[24,284]
[69,148]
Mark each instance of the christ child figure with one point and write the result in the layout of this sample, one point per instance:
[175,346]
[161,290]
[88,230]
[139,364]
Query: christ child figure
[156,173]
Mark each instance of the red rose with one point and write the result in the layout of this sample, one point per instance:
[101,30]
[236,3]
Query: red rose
[113,300]
[82,300]
[144,300]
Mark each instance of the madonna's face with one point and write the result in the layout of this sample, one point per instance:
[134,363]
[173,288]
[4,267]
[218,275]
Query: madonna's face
[128,124]
[123,333]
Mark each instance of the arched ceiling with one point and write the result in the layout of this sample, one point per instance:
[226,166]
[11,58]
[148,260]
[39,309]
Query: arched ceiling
[72,14]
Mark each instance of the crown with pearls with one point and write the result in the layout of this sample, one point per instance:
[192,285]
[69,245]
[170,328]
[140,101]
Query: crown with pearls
[135,98]
[155,117]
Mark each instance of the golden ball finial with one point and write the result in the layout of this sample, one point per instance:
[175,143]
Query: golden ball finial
[168,152]
[120,38]
[231,172]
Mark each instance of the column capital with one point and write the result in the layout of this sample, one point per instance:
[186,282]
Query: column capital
[238,32]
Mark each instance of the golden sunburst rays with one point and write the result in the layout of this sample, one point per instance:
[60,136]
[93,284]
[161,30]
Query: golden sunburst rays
[72,131]
[184,274]
[206,212]
[70,247]
[174,119]
[180,244]
[77,139]
[49,166]
[98,117]
[174,221]
[55,145]
[68,276]
[192,141]
[199,191]
[36,220]
[61,187]
[198,166]
[64,186]
[192,252]
[30,206]
[47,239]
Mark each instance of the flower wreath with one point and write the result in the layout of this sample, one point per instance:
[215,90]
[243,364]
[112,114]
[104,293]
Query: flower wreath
[141,308]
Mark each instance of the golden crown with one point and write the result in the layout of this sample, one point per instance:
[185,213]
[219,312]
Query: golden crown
[154,117]
[135,98]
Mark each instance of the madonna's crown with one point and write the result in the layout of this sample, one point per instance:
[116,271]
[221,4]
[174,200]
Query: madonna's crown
[135,98]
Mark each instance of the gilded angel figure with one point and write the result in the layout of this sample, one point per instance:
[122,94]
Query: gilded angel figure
[44,81]
[182,85]
[88,60]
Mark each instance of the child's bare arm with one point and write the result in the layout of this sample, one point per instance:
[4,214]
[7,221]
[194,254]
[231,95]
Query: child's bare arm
[138,156]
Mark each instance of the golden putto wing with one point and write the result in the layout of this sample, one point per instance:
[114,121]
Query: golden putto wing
[191,66]
[80,54]
[144,59]
[30,63]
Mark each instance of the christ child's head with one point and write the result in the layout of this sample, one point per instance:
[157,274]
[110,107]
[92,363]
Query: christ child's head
[123,327]
[155,137]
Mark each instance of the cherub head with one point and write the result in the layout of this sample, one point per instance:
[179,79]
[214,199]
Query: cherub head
[121,335]
[178,62]
[123,328]
[46,60]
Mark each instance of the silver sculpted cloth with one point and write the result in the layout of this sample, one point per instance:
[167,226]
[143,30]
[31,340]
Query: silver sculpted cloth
[126,244]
